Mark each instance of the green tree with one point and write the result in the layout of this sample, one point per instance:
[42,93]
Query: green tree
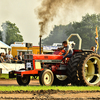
[10,33]
[0,36]
[56,36]
[86,29]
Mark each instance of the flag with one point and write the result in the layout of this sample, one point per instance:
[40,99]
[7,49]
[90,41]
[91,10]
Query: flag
[96,40]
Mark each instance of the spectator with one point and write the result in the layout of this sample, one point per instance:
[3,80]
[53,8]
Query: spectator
[1,58]
[9,57]
[15,59]
[20,58]
[4,56]
[23,58]
[93,48]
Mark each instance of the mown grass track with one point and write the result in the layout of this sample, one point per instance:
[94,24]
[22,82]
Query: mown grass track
[35,88]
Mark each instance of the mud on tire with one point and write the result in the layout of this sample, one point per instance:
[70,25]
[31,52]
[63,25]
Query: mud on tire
[84,69]
[72,68]
[89,70]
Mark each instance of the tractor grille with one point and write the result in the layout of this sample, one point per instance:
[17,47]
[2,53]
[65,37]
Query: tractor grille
[29,64]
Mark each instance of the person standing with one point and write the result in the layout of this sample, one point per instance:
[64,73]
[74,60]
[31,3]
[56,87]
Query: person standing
[93,48]
[20,58]
[9,57]
[2,58]
[15,59]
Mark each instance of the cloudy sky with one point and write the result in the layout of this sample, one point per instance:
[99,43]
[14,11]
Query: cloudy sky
[21,12]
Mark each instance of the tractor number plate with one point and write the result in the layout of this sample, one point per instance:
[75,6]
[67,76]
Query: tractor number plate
[28,65]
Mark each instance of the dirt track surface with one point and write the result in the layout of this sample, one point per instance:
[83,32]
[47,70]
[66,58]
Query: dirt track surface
[5,82]
[50,95]
[45,95]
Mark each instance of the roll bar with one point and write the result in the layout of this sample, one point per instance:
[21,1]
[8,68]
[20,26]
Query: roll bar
[80,40]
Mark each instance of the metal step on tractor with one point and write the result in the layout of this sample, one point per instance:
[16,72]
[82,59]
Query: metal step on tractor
[82,69]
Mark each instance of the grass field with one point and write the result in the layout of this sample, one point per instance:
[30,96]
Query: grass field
[30,88]
[4,76]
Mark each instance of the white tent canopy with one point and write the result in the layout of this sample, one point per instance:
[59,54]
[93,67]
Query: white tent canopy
[4,47]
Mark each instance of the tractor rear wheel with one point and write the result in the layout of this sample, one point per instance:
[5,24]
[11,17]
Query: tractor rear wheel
[84,69]
[89,70]
[72,68]
[60,80]
[23,80]
[46,77]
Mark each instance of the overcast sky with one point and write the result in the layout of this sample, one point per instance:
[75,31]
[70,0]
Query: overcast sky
[21,12]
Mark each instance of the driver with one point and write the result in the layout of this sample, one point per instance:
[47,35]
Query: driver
[68,51]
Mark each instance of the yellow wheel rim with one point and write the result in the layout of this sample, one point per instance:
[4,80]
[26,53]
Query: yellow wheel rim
[92,70]
[47,78]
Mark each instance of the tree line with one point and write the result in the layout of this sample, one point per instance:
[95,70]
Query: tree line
[86,28]
[10,33]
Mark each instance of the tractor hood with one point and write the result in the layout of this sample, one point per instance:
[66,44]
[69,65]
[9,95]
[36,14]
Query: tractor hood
[47,57]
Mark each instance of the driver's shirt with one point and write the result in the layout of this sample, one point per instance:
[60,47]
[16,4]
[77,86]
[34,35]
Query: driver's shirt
[68,48]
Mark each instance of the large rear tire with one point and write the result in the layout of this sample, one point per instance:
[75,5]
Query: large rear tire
[89,70]
[84,69]
[46,77]
[72,68]
[23,81]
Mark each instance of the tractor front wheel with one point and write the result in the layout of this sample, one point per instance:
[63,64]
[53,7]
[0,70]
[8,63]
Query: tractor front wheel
[23,80]
[46,77]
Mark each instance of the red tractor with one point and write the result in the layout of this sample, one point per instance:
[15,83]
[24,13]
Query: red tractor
[83,68]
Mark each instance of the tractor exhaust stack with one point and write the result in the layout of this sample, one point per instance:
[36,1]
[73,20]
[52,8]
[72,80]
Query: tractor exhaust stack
[40,43]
